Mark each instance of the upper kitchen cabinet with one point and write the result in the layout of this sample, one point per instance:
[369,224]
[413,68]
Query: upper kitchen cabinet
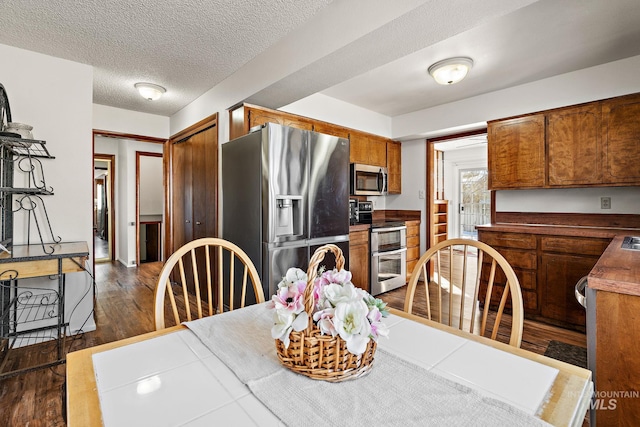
[394,166]
[586,145]
[331,129]
[574,146]
[244,117]
[621,140]
[367,149]
[516,153]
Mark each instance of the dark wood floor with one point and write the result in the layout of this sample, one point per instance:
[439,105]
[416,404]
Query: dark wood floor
[124,308]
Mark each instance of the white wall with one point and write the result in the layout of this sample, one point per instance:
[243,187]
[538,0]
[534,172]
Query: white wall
[414,178]
[331,110]
[624,200]
[130,122]
[125,191]
[55,97]
[151,188]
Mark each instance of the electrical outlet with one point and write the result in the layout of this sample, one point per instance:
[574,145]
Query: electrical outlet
[420,194]
[605,202]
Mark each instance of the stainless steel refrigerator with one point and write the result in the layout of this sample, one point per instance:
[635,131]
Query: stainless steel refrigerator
[285,192]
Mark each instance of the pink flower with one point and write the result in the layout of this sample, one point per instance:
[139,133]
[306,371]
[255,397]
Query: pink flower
[378,329]
[324,320]
[290,298]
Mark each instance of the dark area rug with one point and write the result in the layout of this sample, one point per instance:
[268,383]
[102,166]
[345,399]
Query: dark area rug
[573,354]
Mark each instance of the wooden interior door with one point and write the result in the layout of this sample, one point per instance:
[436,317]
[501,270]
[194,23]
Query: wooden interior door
[193,187]
[182,212]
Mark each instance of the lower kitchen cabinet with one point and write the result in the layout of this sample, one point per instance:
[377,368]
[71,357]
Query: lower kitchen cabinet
[413,245]
[547,267]
[359,258]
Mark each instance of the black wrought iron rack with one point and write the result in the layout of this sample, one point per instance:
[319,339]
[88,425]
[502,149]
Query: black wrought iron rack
[24,155]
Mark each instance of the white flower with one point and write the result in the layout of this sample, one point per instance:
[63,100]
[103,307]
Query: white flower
[350,320]
[335,293]
[293,275]
[285,321]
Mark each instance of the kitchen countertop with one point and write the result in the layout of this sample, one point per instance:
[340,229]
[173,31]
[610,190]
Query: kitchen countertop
[560,230]
[617,270]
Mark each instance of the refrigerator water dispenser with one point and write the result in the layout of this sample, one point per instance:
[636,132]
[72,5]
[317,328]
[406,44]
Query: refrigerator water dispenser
[288,216]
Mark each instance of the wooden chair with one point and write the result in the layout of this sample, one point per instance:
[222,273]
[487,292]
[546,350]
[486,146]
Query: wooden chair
[476,277]
[199,278]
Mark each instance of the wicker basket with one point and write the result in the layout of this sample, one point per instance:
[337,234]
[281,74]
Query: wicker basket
[323,357]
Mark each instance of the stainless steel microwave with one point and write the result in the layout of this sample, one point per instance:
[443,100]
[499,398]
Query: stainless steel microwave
[367,180]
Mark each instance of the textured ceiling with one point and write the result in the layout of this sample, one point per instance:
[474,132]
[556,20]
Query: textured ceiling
[186,46]
[370,53]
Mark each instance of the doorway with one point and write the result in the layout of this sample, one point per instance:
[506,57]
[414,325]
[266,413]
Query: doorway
[149,206]
[103,229]
[447,157]
[121,150]
[475,201]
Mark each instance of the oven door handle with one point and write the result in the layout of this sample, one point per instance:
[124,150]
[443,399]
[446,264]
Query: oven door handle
[397,251]
[385,229]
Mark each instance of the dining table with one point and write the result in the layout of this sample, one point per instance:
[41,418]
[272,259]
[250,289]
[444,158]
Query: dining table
[224,370]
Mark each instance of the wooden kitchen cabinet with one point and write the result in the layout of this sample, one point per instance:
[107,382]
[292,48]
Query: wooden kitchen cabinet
[244,117]
[613,335]
[413,245]
[519,249]
[367,149]
[394,166]
[516,153]
[586,145]
[563,262]
[331,129]
[574,146]
[359,258]
[621,140]
[548,268]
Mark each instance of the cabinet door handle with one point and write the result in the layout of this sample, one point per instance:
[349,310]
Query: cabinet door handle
[198,223]
[188,221]
[579,292]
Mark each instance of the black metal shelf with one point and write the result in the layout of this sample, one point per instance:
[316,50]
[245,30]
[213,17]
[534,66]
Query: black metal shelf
[26,147]
[31,191]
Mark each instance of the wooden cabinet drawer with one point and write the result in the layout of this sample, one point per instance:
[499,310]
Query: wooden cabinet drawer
[520,259]
[413,253]
[574,245]
[509,240]
[526,278]
[413,241]
[359,237]
[413,230]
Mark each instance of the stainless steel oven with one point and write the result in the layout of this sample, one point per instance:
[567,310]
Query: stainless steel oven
[367,180]
[388,256]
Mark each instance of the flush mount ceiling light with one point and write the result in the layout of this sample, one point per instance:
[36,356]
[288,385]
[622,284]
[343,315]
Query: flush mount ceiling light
[450,71]
[150,91]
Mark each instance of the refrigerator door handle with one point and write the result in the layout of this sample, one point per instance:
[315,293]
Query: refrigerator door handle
[579,292]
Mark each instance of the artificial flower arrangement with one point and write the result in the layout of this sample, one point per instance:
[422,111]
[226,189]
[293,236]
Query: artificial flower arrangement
[340,309]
